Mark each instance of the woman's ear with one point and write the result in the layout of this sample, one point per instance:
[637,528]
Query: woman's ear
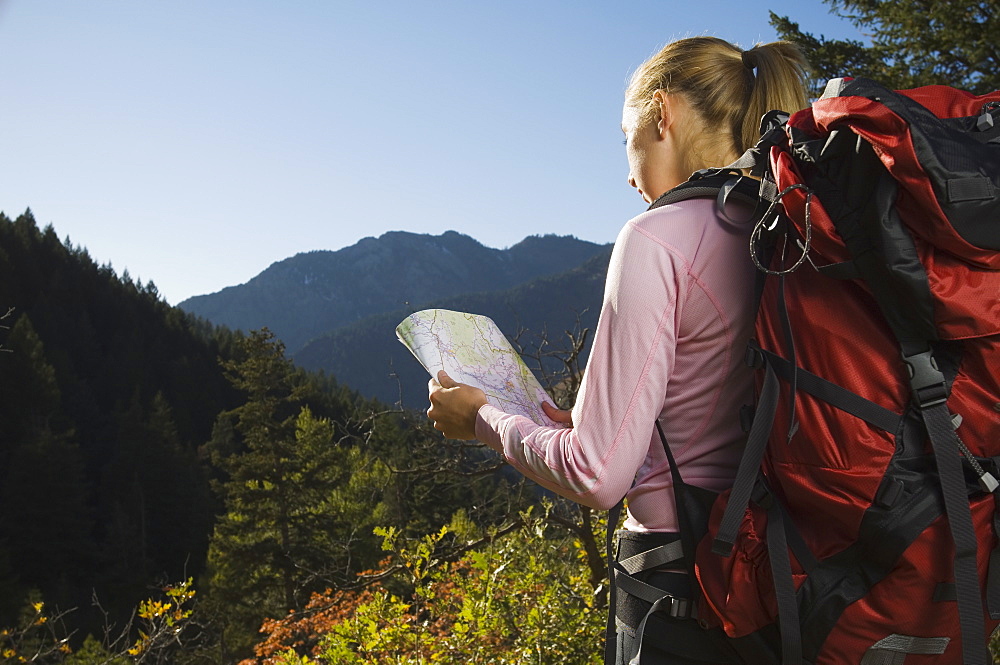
[665,118]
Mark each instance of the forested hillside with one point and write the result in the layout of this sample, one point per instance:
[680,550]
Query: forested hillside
[314,293]
[106,394]
[141,447]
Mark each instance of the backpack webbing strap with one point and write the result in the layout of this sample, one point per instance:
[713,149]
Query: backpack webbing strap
[692,505]
[893,649]
[784,586]
[782,537]
[786,329]
[654,558]
[956,501]
[610,632]
[763,497]
[833,394]
[674,606]
[930,392]
[723,185]
[746,474]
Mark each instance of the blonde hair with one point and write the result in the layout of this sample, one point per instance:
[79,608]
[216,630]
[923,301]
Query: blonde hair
[719,82]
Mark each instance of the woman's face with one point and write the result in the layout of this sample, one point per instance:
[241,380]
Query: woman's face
[648,164]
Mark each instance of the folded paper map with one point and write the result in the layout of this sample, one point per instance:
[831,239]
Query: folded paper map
[472,350]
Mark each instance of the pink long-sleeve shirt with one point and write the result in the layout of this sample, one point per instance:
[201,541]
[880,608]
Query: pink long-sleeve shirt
[670,344]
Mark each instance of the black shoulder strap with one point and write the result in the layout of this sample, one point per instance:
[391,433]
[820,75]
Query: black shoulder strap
[693,505]
[724,185]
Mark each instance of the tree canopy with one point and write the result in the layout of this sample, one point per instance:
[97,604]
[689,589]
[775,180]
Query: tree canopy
[912,43]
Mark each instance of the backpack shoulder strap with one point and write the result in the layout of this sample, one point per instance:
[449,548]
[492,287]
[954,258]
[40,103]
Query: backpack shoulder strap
[723,185]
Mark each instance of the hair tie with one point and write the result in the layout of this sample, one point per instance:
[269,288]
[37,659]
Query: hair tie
[749,59]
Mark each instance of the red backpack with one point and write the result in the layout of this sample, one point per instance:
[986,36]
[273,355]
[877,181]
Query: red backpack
[862,526]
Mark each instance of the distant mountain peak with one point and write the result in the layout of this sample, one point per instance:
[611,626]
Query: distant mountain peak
[312,293]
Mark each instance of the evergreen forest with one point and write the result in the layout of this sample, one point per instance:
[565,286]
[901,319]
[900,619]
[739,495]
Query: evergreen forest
[173,491]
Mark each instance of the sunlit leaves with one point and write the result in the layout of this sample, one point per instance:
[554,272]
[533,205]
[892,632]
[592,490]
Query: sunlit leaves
[521,598]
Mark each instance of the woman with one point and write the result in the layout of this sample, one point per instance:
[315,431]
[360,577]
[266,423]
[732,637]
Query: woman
[669,345]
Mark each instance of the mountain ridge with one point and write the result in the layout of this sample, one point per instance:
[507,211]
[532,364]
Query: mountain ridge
[310,294]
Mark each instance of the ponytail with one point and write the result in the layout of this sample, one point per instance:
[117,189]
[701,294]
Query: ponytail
[730,89]
[778,83]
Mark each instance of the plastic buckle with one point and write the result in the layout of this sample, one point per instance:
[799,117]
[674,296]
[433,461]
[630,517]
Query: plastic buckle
[926,380]
[682,608]
[747,413]
[754,357]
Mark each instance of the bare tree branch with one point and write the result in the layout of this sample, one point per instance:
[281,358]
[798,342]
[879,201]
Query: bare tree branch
[4,317]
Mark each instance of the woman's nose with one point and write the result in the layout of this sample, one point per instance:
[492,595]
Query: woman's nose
[631,180]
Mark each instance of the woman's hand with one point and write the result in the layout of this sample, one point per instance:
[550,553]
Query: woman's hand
[454,406]
[558,415]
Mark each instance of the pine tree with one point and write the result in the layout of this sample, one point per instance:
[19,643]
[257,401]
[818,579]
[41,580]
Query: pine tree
[912,43]
[286,491]
[256,493]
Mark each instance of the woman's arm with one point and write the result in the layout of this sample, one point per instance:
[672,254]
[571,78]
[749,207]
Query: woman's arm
[623,389]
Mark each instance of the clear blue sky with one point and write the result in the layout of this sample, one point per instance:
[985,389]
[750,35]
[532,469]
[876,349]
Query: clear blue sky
[195,142]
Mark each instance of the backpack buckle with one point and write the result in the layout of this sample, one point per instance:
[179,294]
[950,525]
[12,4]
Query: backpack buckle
[676,607]
[926,380]
[682,608]
[754,356]
[747,412]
